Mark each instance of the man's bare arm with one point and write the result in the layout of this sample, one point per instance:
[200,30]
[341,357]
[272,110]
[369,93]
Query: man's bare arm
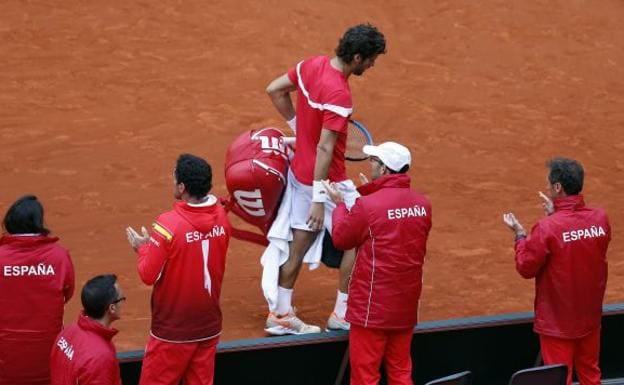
[279,91]
[324,154]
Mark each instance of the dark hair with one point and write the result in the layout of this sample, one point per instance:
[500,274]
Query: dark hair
[25,216]
[403,170]
[195,173]
[363,39]
[97,294]
[568,172]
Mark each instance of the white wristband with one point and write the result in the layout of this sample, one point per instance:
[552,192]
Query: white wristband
[292,123]
[319,194]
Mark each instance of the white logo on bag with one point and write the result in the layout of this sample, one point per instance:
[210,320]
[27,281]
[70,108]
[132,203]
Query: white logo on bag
[251,202]
[271,144]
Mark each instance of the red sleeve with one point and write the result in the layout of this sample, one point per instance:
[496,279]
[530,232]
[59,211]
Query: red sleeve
[531,252]
[292,76]
[349,228]
[336,117]
[69,282]
[366,189]
[152,257]
[335,122]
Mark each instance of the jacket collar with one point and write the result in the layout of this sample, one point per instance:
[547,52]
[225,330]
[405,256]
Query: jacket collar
[26,241]
[385,181]
[209,204]
[209,200]
[91,325]
[569,203]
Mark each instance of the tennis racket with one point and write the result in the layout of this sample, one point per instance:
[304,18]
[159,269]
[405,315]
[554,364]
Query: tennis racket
[357,137]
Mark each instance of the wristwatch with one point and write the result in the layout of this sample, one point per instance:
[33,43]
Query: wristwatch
[520,235]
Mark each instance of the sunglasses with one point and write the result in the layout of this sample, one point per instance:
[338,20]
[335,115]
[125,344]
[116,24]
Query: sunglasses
[120,299]
[375,159]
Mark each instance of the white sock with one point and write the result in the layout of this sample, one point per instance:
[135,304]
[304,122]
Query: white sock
[284,300]
[341,304]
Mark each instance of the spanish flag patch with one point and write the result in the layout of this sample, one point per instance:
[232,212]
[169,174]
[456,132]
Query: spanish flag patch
[162,231]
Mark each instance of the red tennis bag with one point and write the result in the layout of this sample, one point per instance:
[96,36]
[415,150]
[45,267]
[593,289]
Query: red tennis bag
[256,166]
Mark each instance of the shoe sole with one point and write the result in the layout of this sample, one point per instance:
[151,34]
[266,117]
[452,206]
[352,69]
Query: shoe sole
[282,331]
[327,330]
[337,326]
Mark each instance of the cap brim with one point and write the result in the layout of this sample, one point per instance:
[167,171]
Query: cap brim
[370,150]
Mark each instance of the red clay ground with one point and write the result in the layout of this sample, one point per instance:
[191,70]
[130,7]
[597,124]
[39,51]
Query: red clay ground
[98,99]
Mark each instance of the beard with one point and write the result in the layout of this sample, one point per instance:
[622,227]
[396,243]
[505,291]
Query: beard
[358,71]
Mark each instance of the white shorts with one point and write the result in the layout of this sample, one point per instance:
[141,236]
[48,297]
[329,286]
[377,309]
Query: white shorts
[302,200]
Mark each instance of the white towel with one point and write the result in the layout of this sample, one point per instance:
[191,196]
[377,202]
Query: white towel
[276,253]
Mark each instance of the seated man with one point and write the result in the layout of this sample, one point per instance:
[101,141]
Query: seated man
[389,225]
[83,352]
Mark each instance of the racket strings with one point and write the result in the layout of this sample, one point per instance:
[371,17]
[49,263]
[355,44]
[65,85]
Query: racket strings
[356,139]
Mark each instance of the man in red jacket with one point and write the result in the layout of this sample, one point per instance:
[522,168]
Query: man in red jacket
[389,224]
[36,281]
[184,258]
[84,353]
[566,254]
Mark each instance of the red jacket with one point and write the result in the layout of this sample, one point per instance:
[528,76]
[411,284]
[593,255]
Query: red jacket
[36,280]
[389,224]
[84,354]
[566,254]
[185,261]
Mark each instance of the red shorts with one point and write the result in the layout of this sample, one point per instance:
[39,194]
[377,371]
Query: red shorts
[367,348]
[581,354]
[169,363]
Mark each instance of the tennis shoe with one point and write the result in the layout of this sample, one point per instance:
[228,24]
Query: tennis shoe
[337,323]
[288,324]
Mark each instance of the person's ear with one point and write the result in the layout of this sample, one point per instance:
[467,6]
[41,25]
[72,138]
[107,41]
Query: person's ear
[181,188]
[357,58]
[558,188]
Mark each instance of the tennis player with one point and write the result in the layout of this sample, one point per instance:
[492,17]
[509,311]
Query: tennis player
[320,122]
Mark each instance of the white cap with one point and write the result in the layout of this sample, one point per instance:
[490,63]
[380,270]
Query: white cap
[392,154]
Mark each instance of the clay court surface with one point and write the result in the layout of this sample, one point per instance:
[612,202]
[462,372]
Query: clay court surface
[97,99]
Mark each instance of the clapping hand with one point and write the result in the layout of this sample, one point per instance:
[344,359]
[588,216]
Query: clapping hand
[135,239]
[510,220]
[332,192]
[547,204]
